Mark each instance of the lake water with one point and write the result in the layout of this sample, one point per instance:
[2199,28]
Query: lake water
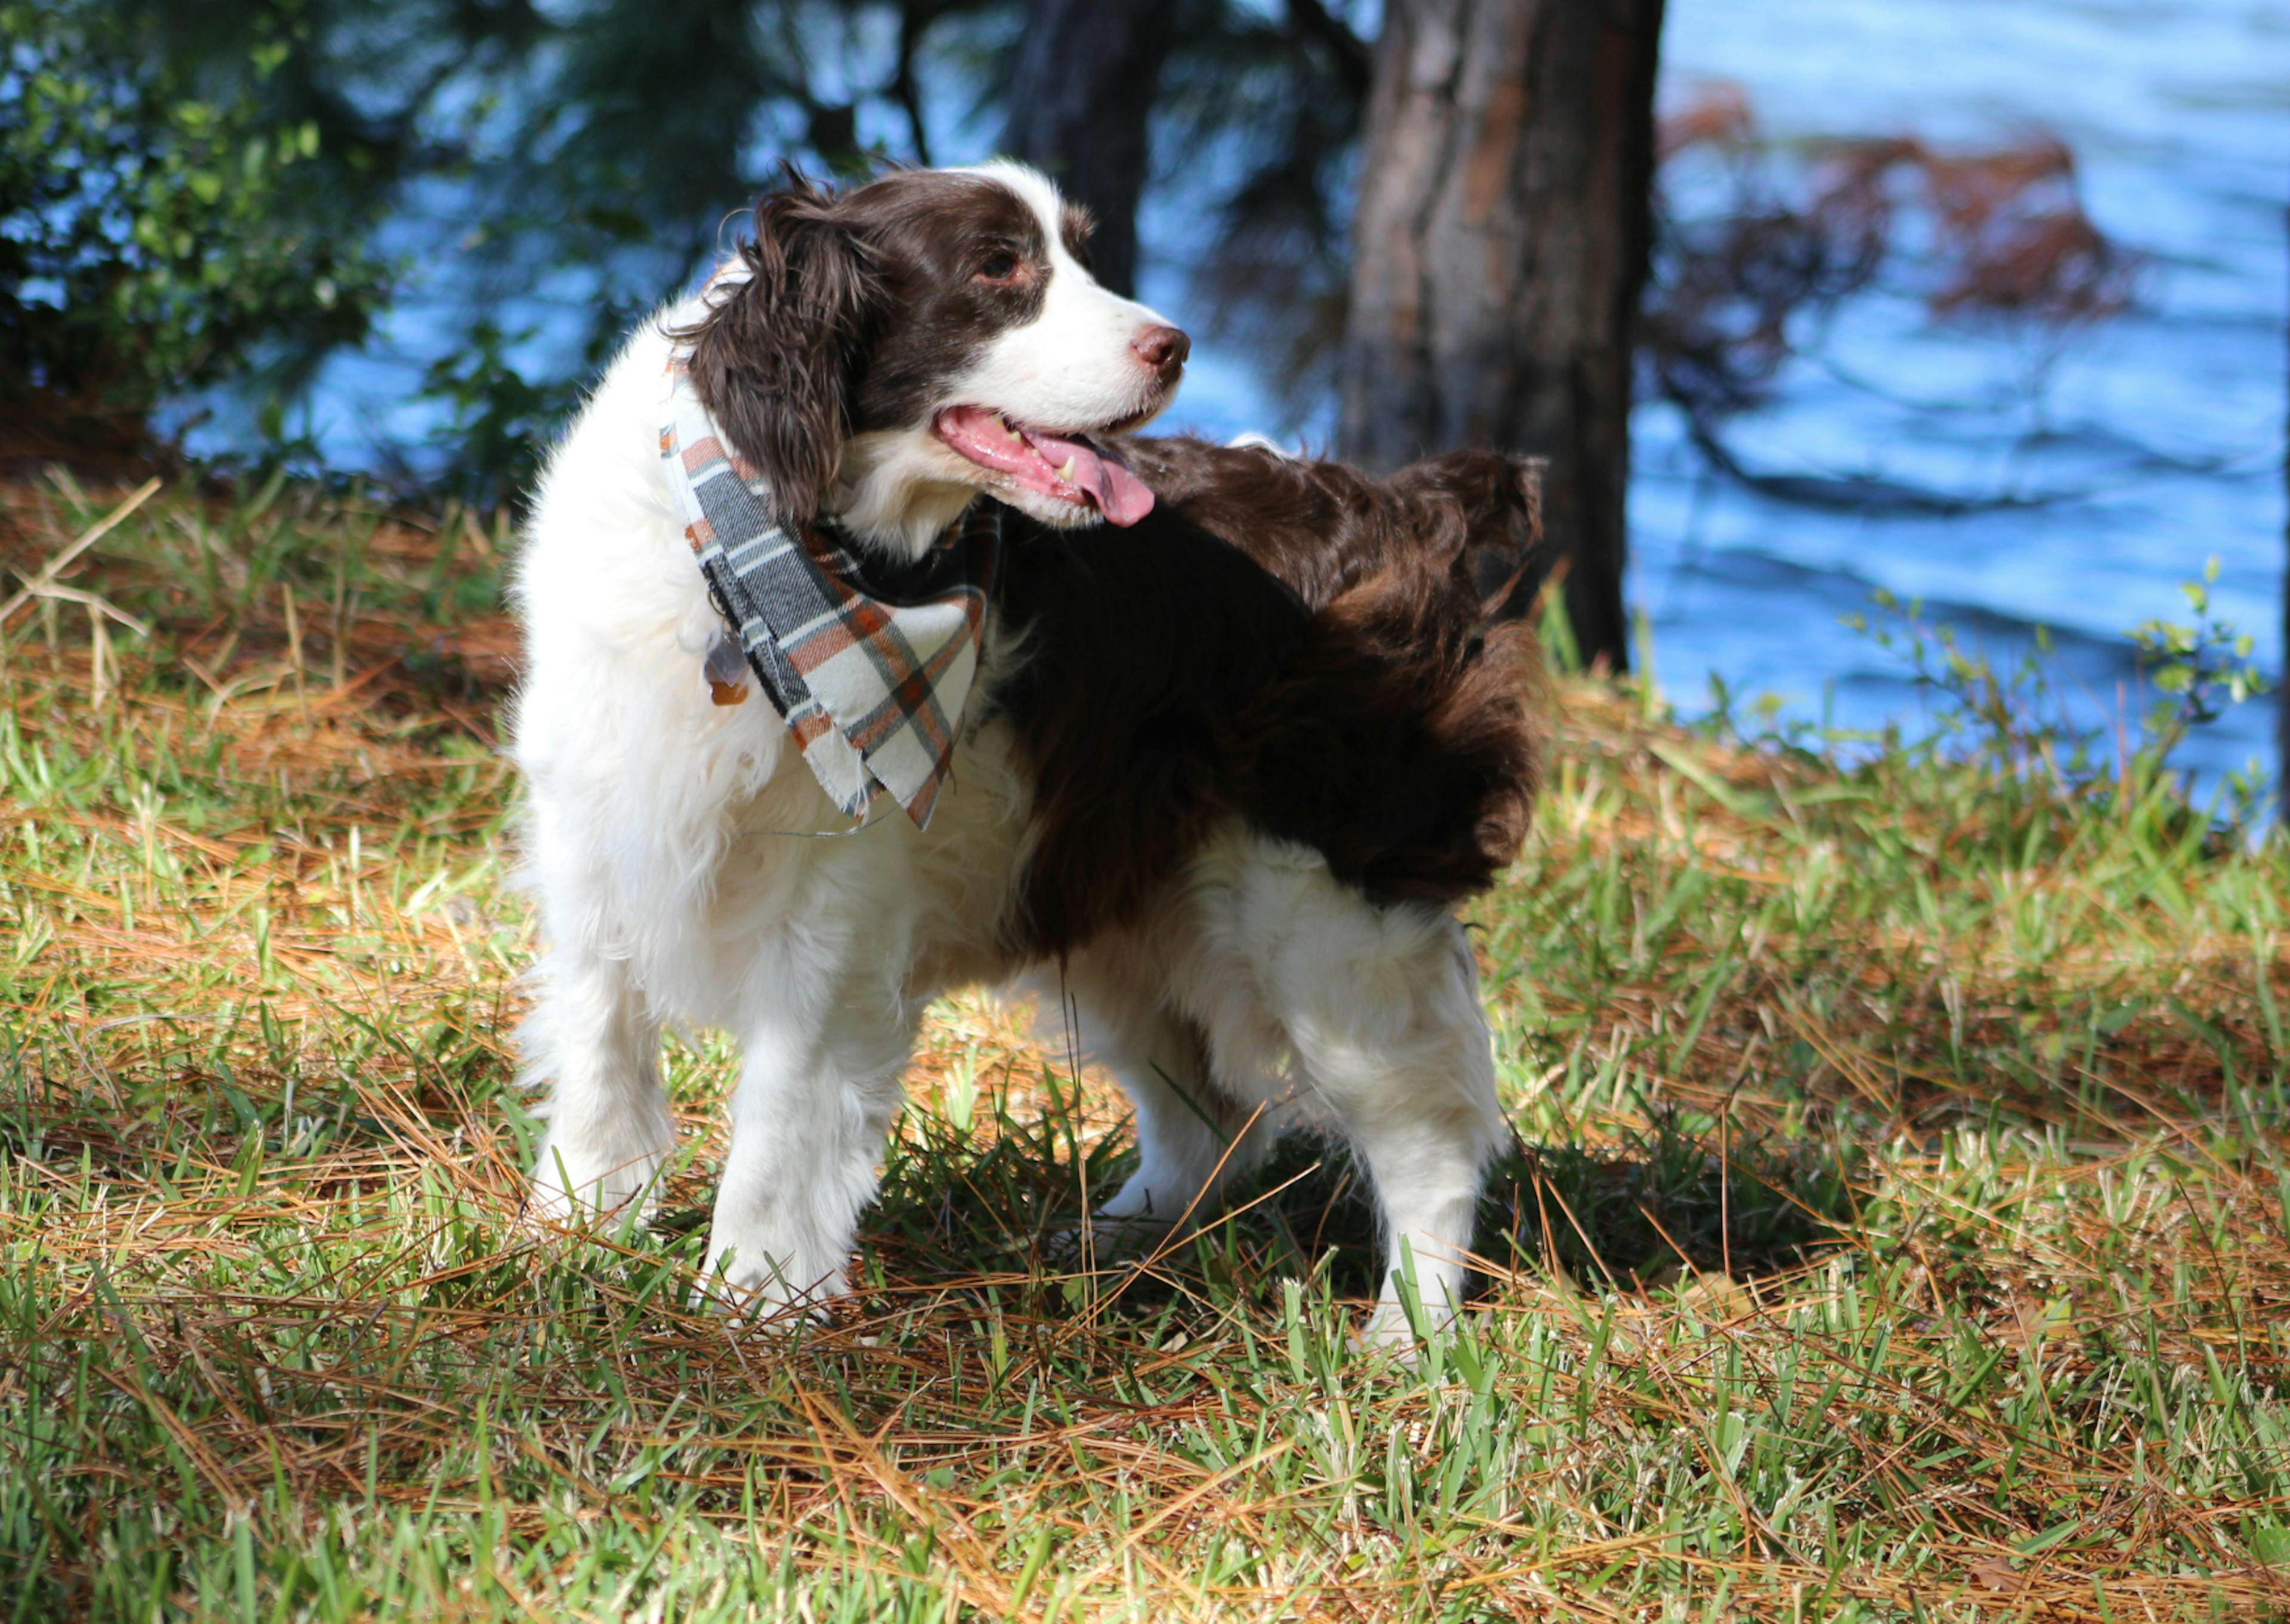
[2178,113]
[2169,419]
[2172,416]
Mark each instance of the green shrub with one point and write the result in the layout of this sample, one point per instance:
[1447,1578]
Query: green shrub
[153,240]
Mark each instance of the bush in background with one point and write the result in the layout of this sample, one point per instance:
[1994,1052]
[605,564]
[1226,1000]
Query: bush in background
[154,239]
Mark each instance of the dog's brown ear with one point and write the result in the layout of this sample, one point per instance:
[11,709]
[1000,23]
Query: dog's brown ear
[771,359]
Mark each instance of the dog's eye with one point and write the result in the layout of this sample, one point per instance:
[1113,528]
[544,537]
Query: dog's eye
[1000,266]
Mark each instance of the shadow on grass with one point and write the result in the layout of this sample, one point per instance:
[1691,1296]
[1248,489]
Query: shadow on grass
[1633,1218]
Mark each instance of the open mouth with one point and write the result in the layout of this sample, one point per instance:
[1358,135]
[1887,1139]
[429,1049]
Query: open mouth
[1070,467]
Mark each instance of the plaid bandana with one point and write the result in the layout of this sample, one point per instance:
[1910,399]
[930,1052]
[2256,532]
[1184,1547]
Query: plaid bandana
[870,673]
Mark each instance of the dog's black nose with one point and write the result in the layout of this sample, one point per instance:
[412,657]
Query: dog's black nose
[1162,349]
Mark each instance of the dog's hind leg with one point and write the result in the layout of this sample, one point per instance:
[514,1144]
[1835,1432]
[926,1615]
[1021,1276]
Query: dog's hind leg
[1392,1038]
[594,1039]
[1380,1008]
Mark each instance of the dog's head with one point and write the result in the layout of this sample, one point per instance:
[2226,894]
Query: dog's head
[885,353]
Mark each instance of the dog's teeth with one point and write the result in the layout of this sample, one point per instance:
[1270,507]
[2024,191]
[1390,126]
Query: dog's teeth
[1067,472]
[1009,429]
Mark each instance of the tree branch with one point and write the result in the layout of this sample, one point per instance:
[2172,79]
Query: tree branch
[1355,62]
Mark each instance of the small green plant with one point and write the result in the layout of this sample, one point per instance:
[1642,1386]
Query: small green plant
[2014,717]
[2201,668]
[503,421]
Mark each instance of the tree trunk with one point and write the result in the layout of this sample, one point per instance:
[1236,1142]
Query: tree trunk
[1080,94]
[1499,248]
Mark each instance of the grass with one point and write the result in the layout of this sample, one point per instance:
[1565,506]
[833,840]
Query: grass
[1900,1229]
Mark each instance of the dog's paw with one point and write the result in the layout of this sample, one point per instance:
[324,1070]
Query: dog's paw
[574,1185]
[763,1314]
[774,1323]
[758,1298]
[1386,1331]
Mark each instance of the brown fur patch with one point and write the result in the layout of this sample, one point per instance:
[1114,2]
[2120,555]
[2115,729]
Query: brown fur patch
[1291,643]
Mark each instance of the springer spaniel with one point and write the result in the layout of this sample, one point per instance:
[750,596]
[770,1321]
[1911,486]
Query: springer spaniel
[1223,768]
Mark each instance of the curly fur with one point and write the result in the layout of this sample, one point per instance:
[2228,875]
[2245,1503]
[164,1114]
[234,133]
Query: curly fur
[788,321]
[1289,642]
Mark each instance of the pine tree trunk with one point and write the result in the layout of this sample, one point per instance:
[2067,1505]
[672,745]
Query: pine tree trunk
[1080,94]
[1499,248]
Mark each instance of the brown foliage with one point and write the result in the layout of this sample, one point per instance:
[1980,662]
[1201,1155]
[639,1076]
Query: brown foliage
[1999,234]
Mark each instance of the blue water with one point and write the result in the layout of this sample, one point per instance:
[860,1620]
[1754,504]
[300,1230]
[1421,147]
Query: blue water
[2169,419]
[2178,113]
[2172,416]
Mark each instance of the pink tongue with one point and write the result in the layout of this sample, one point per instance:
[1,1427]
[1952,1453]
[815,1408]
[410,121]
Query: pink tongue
[1121,496]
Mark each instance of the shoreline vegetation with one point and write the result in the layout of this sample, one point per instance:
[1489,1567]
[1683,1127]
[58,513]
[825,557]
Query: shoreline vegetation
[1899,1226]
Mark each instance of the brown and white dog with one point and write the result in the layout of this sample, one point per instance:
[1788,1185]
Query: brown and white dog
[1229,769]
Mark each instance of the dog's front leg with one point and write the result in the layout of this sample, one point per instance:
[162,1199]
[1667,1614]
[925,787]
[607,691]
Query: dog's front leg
[593,1038]
[815,1098]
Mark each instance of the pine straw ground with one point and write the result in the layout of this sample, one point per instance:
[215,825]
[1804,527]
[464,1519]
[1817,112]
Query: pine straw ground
[1899,1229]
